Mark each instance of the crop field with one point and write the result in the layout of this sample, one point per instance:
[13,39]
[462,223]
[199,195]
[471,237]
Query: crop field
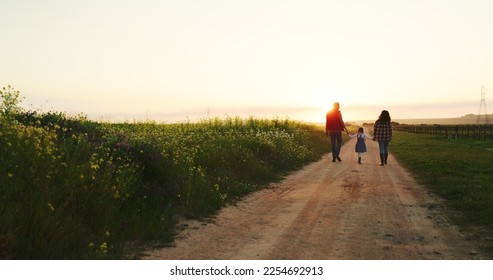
[71,188]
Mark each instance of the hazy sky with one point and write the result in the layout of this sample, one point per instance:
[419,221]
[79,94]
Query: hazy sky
[192,58]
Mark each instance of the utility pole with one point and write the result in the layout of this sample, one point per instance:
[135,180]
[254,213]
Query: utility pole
[482,107]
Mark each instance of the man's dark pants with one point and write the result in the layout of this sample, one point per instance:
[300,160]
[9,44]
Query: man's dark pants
[336,141]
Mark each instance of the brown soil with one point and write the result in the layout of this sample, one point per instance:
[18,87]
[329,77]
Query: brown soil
[327,210]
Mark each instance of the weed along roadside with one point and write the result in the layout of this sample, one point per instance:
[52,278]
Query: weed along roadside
[71,188]
[458,170]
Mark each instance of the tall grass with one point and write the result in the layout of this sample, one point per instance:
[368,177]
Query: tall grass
[61,197]
[203,165]
[71,188]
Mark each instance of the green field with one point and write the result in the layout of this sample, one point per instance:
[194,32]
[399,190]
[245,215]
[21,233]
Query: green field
[71,188]
[459,170]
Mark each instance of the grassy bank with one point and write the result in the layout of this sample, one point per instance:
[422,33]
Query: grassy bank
[459,170]
[71,188]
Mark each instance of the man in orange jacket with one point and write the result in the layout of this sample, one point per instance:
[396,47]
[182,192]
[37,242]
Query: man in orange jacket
[334,125]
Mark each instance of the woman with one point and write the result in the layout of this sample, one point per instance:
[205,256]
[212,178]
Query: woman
[383,134]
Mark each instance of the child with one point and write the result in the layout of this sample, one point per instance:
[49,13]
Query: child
[360,144]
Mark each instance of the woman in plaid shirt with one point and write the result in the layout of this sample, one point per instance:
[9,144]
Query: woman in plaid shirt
[383,134]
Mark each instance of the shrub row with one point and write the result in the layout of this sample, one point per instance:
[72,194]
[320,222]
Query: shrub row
[71,188]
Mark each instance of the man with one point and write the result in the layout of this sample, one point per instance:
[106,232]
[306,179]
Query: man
[334,126]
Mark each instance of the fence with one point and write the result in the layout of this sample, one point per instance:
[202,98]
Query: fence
[480,132]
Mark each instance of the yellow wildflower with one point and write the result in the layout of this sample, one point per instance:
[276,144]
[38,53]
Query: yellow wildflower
[104,247]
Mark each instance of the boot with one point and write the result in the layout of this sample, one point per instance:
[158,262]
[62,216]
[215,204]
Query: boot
[382,160]
[359,160]
[385,156]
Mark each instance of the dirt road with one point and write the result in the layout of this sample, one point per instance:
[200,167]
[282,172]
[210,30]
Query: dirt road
[329,210]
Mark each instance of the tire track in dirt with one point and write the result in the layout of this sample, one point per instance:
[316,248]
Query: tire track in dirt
[328,211]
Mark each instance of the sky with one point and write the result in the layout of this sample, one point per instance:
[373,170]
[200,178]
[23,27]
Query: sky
[190,59]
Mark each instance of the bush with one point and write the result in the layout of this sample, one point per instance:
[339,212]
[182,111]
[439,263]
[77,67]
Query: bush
[71,188]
